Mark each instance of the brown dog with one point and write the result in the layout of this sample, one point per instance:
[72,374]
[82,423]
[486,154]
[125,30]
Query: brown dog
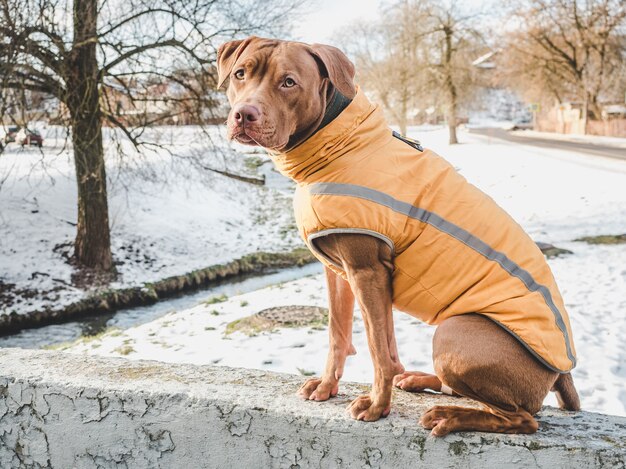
[281,94]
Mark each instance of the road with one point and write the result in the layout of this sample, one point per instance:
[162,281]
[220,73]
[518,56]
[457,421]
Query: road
[580,147]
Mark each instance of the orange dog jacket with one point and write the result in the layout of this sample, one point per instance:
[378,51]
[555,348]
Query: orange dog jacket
[455,250]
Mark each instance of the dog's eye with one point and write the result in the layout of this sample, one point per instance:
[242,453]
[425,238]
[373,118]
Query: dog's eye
[239,74]
[289,82]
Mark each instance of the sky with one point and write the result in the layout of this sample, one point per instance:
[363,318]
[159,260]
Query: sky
[323,18]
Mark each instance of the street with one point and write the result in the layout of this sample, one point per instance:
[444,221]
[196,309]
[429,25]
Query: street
[580,147]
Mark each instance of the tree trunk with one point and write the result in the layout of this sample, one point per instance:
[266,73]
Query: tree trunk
[593,108]
[404,99]
[452,139]
[402,121]
[452,111]
[450,88]
[93,243]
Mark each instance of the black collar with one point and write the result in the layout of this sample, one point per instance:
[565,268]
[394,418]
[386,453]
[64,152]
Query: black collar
[338,102]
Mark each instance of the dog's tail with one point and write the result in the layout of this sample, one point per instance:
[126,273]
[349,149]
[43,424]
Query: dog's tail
[566,393]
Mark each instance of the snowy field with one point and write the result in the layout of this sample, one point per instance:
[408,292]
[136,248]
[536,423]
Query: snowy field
[169,215]
[557,196]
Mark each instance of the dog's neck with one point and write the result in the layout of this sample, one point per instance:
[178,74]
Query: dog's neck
[334,106]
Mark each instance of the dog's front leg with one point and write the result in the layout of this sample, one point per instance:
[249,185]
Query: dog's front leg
[368,264]
[372,287]
[341,309]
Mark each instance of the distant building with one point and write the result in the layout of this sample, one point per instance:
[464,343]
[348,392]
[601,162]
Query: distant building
[568,118]
[497,102]
[163,103]
[137,101]
[24,106]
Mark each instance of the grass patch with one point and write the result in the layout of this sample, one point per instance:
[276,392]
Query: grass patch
[233,326]
[124,350]
[604,239]
[304,372]
[278,317]
[253,162]
[216,299]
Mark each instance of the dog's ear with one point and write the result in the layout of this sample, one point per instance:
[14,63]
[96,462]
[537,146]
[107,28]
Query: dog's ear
[338,68]
[227,55]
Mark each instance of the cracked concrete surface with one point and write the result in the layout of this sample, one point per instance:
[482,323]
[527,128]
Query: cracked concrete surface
[59,410]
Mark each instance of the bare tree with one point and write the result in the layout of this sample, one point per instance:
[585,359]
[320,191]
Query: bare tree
[82,52]
[568,50]
[456,40]
[391,57]
[418,55]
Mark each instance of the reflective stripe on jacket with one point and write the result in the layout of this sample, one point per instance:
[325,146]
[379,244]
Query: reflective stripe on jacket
[455,250]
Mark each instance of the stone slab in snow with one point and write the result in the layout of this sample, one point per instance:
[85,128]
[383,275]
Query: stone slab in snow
[61,410]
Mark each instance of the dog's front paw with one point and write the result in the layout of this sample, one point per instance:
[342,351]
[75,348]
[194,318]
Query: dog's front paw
[363,408]
[316,389]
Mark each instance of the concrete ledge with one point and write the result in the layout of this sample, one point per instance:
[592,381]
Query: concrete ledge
[60,410]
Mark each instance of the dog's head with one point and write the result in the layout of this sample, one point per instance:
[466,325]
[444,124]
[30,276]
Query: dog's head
[278,89]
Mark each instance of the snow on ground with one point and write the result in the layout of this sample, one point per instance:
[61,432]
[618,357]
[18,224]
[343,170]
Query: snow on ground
[168,215]
[557,196]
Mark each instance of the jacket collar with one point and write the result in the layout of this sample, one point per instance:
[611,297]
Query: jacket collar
[328,143]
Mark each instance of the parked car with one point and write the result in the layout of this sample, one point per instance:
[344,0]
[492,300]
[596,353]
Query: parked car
[29,137]
[522,124]
[9,133]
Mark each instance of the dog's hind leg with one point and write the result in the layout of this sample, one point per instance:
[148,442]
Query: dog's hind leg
[566,394]
[417,381]
[445,419]
[480,360]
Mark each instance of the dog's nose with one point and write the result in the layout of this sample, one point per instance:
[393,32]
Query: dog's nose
[246,113]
